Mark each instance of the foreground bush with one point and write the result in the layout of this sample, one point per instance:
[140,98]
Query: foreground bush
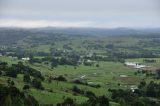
[11,96]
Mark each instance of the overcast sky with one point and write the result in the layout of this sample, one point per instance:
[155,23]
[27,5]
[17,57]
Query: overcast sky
[80,13]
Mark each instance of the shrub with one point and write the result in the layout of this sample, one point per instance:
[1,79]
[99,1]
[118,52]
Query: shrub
[60,78]
[26,87]
[37,84]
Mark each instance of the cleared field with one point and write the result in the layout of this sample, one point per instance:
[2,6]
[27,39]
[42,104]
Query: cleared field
[109,74]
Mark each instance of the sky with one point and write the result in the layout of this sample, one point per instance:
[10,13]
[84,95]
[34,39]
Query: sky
[80,13]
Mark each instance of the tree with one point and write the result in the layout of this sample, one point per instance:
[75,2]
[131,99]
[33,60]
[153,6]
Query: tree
[138,102]
[0,72]
[26,78]
[3,65]
[37,84]
[68,102]
[11,73]
[97,65]
[12,83]
[31,59]
[151,89]
[26,87]
[9,81]
[11,96]
[103,101]
[92,101]
[158,73]
[60,78]
[142,84]
[54,63]
[90,94]
[77,90]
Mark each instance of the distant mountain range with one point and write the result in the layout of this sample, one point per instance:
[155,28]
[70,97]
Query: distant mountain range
[92,31]
[10,36]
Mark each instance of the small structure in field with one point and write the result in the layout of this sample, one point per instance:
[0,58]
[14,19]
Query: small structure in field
[26,58]
[135,65]
[83,76]
[123,75]
[133,87]
[88,62]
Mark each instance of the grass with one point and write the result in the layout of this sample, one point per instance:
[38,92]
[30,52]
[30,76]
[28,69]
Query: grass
[9,60]
[45,97]
[107,75]
[41,48]
[103,76]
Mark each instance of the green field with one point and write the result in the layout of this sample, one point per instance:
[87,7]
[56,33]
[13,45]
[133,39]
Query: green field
[109,53]
[107,75]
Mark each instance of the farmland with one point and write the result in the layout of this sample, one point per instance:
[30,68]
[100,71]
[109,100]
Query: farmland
[91,63]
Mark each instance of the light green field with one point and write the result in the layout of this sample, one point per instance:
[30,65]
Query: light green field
[107,75]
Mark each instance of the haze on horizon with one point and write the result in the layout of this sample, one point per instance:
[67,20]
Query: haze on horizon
[80,13]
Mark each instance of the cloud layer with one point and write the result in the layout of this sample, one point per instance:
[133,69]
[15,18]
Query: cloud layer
[44,23]
[80,13]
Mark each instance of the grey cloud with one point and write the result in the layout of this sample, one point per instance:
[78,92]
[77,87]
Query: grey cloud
[120,12]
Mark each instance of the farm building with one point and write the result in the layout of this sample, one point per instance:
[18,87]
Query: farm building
[135,65]
[133,88]
[26,58]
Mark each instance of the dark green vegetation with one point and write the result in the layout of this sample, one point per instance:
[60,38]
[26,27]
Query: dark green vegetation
[11,96]
[79,68]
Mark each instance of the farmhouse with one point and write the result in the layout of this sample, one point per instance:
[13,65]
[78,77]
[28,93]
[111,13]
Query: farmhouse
[26,58]
[123,75]
[133,87]
[135,65]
